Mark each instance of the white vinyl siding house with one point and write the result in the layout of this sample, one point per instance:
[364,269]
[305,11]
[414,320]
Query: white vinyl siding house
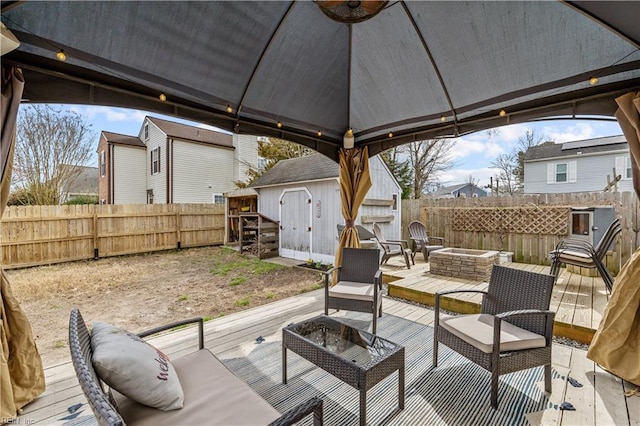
[562,172]
[579,166]
[127,187]
[303,194]
[156,172]
[196,177]
[623,167]
[173,163]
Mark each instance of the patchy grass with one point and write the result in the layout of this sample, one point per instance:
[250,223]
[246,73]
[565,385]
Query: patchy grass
[245,265]
[237,281]
[242,302]
[138,293]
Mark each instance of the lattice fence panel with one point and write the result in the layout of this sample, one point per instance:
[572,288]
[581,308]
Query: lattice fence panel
[511,220]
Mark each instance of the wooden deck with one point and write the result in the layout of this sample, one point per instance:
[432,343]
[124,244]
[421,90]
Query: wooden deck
[599,402]
[578,301]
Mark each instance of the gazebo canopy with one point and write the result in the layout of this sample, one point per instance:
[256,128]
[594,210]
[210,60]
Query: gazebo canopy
[416,70]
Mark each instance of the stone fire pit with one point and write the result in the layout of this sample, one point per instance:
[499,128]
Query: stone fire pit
[462,263]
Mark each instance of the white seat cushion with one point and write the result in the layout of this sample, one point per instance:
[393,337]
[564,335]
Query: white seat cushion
[352,290]
[570,256]
[213,395]
[477,330]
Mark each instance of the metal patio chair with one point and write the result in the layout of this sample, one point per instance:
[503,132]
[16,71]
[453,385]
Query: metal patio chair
[392,248]
[515,318]
[422,241]
[576,252]
[358,283]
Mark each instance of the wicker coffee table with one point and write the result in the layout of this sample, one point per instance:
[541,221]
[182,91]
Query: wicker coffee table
[356,357]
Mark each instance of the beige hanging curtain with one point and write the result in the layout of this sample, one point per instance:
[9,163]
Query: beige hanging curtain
[21,372]
[616,344]
[355,182]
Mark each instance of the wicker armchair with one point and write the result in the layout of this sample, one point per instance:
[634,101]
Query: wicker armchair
[358,283]
[515,318]
[581,253]
[392,248]
[422,241]
[107,415]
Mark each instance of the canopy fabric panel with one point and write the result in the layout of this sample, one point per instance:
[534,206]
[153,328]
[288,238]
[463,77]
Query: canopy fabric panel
[281,61]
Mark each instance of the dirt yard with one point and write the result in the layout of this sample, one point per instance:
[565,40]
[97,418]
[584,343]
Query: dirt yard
[141,292]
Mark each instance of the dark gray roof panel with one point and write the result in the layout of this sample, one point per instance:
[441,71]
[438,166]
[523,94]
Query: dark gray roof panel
[610,140]
[120,139]
[302,169]
[552,149]
[285,61]
[191,133]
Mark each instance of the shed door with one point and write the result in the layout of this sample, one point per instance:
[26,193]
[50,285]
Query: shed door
[295,224]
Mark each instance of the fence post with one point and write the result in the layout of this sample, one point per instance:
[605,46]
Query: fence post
[96,252]
[178,226]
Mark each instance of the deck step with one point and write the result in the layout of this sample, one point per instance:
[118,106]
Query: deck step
[577,317]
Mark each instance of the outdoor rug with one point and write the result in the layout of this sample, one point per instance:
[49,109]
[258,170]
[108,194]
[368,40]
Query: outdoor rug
[454,393]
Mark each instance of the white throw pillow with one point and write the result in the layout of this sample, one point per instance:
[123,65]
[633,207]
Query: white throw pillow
[134,368]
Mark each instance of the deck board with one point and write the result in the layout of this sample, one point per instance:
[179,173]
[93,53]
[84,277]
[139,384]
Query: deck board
[578,301]
[604,402]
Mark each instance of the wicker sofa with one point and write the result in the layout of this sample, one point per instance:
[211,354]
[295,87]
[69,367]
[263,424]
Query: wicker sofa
[212,393]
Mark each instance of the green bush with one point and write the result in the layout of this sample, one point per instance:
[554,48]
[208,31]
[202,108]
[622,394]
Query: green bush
[82,199]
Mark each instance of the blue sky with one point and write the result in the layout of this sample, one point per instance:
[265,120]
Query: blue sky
[473,153]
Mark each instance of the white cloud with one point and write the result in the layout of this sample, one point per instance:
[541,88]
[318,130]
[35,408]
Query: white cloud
[472,146]
[109,114]
[573,132]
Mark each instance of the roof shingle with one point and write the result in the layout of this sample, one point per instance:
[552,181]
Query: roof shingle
[310,167]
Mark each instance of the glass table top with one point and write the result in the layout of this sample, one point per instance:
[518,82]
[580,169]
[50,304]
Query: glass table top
[358,346]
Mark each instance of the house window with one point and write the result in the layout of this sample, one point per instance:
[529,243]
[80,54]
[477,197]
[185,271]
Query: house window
[103,164]
[394,206]
[218,199]
[623,167]
[146,132]
[562,172]
[155,161]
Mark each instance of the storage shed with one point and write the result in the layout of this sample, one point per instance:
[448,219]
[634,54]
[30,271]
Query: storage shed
[304,195]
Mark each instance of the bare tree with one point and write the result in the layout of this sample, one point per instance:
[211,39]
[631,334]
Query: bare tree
[507,179]
[511,165]
[472,180]
[271,151]
[528,140]
[50,142]
[427,159]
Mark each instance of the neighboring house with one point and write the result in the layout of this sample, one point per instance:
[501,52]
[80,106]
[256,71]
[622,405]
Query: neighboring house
[170,162]
[303,194]
[579,166]
[85,185]
[460,190]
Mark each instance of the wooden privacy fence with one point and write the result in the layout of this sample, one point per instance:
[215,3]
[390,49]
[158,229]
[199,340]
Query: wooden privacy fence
[39,235]
[530,226]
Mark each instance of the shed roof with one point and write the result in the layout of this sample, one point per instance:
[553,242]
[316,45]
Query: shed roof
[192,133]
[567,149]
[310,167]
